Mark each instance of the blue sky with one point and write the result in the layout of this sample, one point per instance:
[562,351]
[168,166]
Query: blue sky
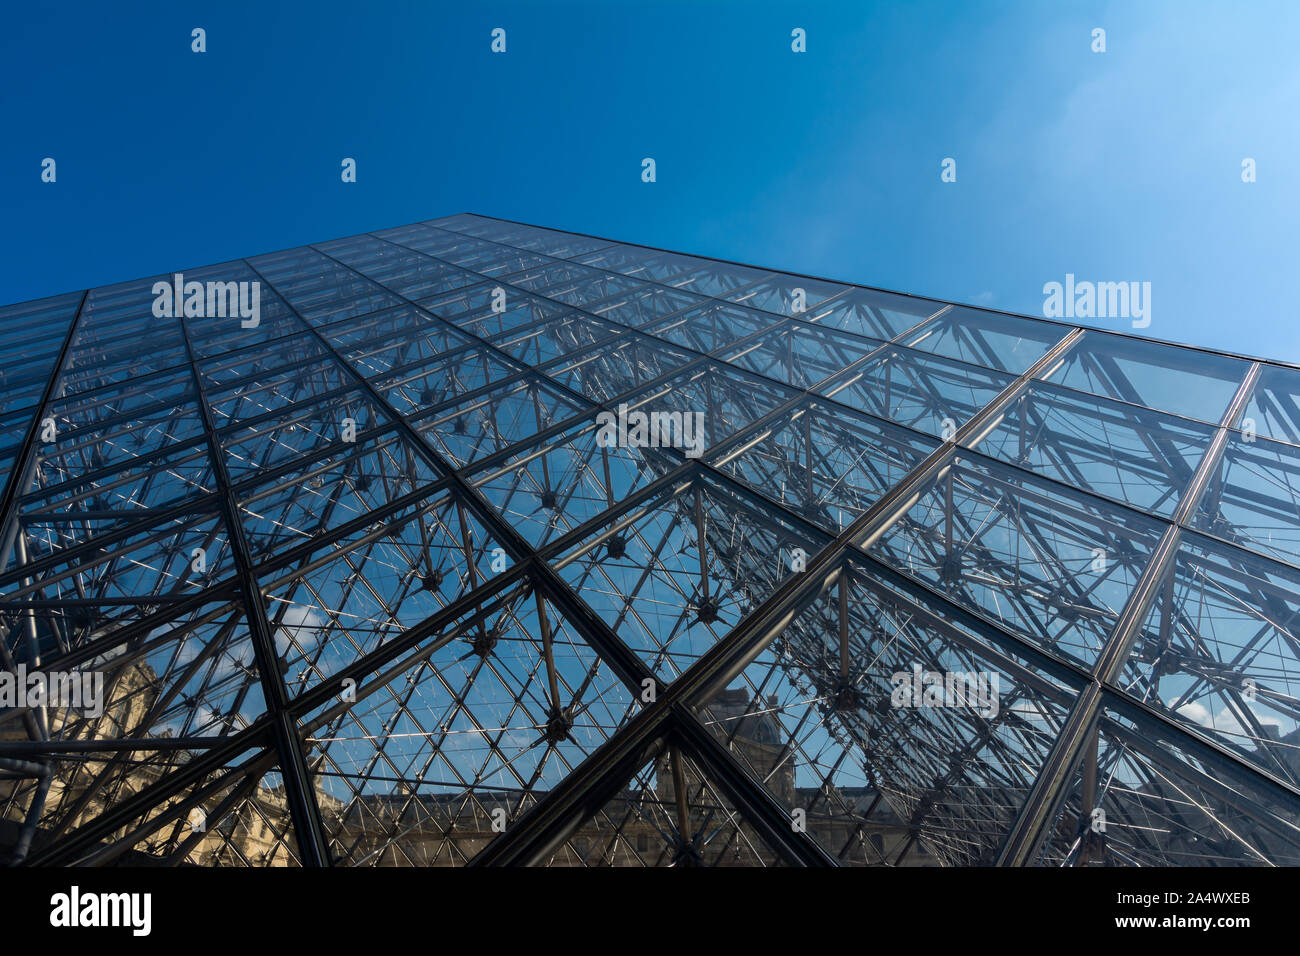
[1117,166]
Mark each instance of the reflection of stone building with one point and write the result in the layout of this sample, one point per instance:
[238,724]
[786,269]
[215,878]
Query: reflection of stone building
[83,787]
[417,827]
[67,801]
[757,734]
[639,826]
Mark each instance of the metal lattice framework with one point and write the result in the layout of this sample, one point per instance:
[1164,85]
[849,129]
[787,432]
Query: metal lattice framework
[366,585]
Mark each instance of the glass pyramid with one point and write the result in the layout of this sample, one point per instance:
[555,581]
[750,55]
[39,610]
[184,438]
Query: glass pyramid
[476,543]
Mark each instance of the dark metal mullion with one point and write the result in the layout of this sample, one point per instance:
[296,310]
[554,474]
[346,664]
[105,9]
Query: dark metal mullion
[304,811]
[754,801]
[24,462]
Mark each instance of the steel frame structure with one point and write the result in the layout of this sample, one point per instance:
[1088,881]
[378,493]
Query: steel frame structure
[471,632]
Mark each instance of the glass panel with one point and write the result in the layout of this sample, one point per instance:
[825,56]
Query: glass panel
[558,274]
[63,491]
[273,359]
[642,304]
[550,487]
[394,339]
[483,311]
[437,242]
[823,461]
[372,583]
[722,399]
[230,321]
[619,258]
[492,421]
[721,280]
[248,394]
[903,739]
[666,578]
[788,295]
[428,385]
[320,289]
[400,269]
[709,328]
[800,355]
[232,816]
[76,581]
[616,366]
[294,504]
[1254,498]
[1220,652]
[497,261]
[668,268]
[113,324]
[933,395]
[120,422]
[31,336]
[1044,561]
[299,430]
[246,822]
[1132,454]
[566,335]
[1148,800]
[1176,380]
[1007,343]
[880,315]
[562,245]
[189,674]
[1274,408]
